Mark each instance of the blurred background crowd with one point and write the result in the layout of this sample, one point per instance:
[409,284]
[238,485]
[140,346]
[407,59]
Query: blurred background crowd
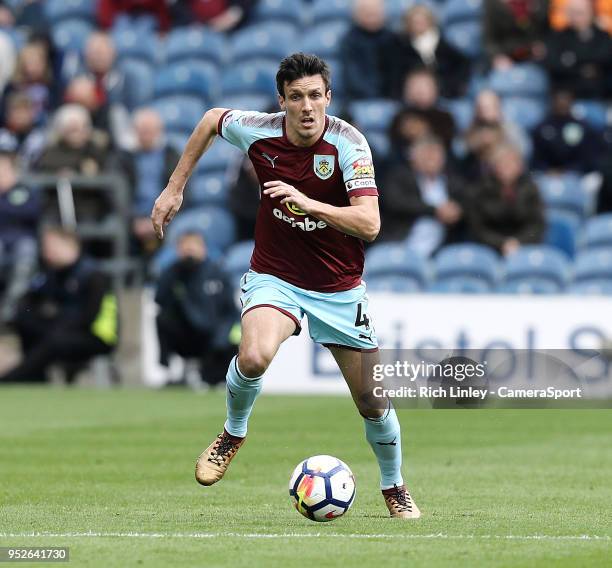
[489,120]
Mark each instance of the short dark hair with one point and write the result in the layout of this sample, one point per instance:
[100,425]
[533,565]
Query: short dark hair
[300,65]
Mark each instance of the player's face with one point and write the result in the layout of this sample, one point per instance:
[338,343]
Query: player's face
[305,102]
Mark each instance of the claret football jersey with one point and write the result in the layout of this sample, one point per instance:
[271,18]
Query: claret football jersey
[289,243]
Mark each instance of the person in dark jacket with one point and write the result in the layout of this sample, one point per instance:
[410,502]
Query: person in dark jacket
[579,58]
[419,45]
[562,142]
[422,201]
[19,213]
[506,210]
[363,52]
[197,313]
[147,169]
[243,200]
[513,30]
[69,315]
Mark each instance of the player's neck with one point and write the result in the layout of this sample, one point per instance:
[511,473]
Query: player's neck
[302,142]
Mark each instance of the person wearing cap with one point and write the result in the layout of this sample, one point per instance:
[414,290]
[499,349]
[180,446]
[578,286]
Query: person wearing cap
[19,213]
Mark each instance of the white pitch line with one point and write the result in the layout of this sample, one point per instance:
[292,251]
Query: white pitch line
[434,536]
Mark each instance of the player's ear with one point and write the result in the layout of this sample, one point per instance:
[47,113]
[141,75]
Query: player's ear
[328,98]
[281,102]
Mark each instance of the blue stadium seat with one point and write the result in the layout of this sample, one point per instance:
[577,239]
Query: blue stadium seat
[379,143]
[218,158]
[460,285]
[563,193]
[237,259]
[181,117]
[139,82]
[250,79]
[177,140]
[71,35]
[265,41]
[330,11]
[324,38]
[195,43]
[393,283]
[466,37]
[537,262]
[374,114]
[593,264]
[462,111]
[592,287]
[527,112]
[396,9]
[207,189]
[530,285]
[386,259]
[469,261]
[261,103]
[561,231]
[186,82]
[215,223]
[337,78]
[131,44]
[462,11]
[597,232]
[595,113]
[289,11]
[521,80]
[60,10]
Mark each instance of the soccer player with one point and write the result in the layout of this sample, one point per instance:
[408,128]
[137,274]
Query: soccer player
[319,202]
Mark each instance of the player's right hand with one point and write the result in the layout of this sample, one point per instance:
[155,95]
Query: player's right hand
[166,207]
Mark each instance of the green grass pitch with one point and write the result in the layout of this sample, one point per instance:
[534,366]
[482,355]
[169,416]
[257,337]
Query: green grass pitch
[110,474]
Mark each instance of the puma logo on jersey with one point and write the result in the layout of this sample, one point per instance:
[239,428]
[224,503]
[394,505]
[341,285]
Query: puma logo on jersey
[269,158]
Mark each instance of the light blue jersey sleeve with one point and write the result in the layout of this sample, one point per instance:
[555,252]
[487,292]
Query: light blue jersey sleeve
[242,128]
[354,158]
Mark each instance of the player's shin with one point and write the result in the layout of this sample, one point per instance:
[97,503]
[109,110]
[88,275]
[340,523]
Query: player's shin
[384,435]
[241,394]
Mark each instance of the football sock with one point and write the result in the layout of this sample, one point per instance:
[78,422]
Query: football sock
[384,435]
[240,395]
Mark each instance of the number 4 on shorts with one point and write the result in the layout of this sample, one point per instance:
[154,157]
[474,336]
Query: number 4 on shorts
[362,317]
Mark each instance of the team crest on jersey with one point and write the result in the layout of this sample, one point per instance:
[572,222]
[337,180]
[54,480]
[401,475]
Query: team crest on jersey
[323,166]
[294,209]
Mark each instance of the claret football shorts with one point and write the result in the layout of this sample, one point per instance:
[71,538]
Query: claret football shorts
[334,318]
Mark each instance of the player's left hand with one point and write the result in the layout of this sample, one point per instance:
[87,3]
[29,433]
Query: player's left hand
[288,193]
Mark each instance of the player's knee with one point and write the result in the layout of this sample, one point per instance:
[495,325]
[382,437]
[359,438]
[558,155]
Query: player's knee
[369,406]
[253,361]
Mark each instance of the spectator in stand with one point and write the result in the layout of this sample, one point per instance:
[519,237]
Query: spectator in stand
[147,169]
[244,200]
[422,201]
[34,77]
[506,211]
[419,45]
[220,15]
[513,30]
[580,56]
[73,146]
[604,196]
[69,314]
[602,9]
[487,130]
[19,121]
[562,142]
[197,311]
[110,10]
[363,52]
[420,115]
[19,214]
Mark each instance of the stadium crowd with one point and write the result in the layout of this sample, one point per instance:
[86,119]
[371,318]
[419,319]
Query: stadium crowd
[489,120]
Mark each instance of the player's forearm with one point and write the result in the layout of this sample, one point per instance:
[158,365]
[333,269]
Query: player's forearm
[199,141]
[360,221]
